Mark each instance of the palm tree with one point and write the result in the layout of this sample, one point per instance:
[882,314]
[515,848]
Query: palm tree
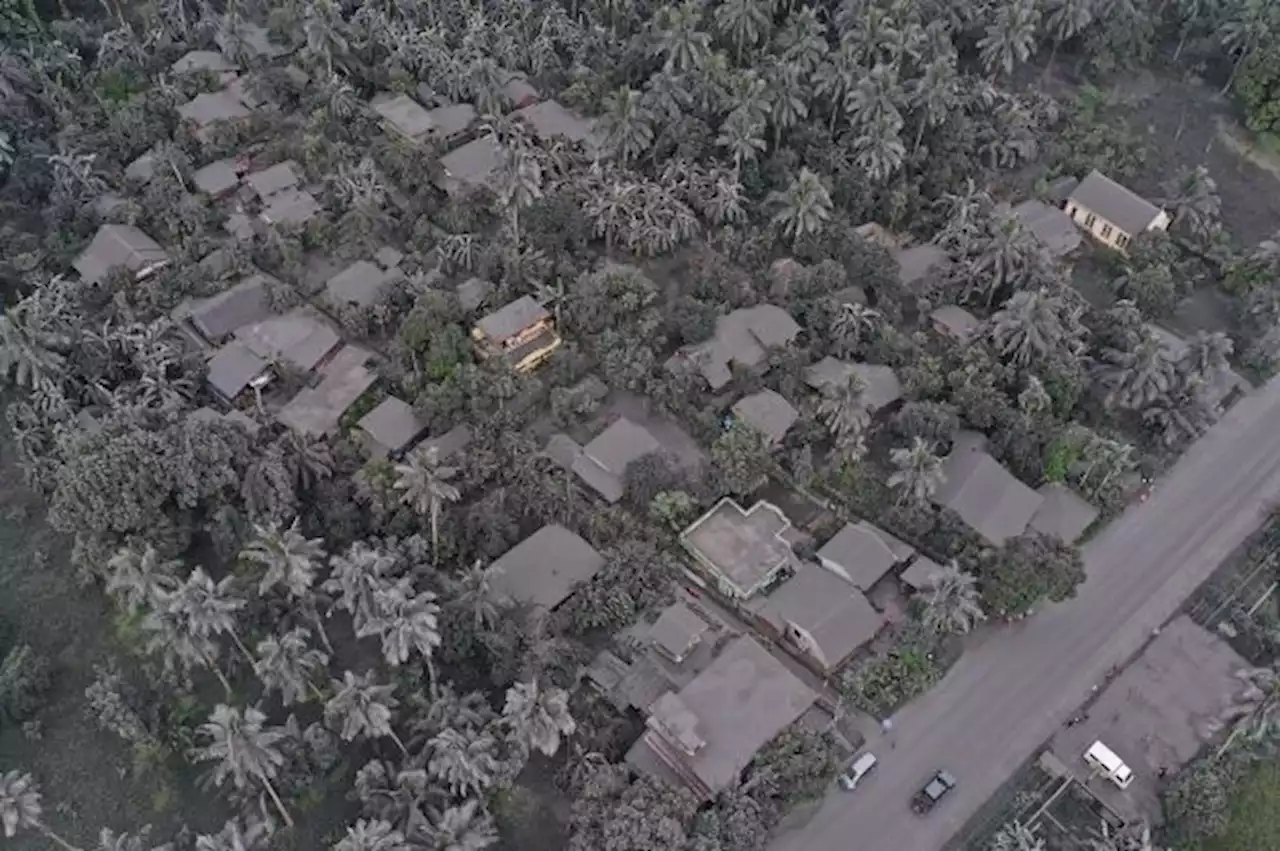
[405,621]
[205,608]
[1204,358]
[627,123]
[803,40]
[873,101]
[363,708]
[244,749]
[1137,378]
[168,636]
[744,23]
[1002,259]
[354,578]
[286,665]
[1135,836]
[1255,712]
[1010,38]
[919,471]
[836,77]
[472,592]
[1064,20]
[290,559]
[680,43]
[803,208]
[1192,195]
[520,184]
[1016,836]
[20,808]
[1029,326]
[138,581]
[253,836]
[742,136]
[788,99]
[878,150]
[467,827]
[854,323]
[934,95]
[463,761]
[29,350]
[375,835]
[538,717]
[952,600]
[425,482]
[843,410]
[1248,24]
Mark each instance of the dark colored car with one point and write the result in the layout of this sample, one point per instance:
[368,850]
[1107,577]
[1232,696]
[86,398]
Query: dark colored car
[933,792]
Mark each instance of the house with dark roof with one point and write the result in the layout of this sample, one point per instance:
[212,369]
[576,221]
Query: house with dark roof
[543,569]
[742,552]
[819,616]
[1111,213]
[361,284]
[862,554]
[602,463]
[472,166]
[880,384]
[704,735]
[1063,514]
[988,498]
[1054,229]
[317,411]
[768,413]
[389,429]
[120,247]
[743,338]
[233,369]
[522,332]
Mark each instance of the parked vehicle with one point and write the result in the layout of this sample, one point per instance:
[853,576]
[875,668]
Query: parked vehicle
[1106,763]
[933,792]
[859,769]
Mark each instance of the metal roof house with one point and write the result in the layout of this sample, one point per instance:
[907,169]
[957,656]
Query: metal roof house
[820,616]
[1112,214]
[318,410]
[120,247]
[206,110]
[1055,230]
[390,429]
[862,554]
[300,338]
[543,569]
[233,369]
[1063,514]
[522,332]
[361,284]
[550,119]
[406,117]
[471,166]
[987,497]
[743,337]
[880,384]
[743,552]
[218,316]
[205,61]
[704,735]
[768,413]
[602,463]
[955,322]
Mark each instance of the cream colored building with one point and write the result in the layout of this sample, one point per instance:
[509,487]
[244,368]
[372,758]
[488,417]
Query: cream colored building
[1112,214]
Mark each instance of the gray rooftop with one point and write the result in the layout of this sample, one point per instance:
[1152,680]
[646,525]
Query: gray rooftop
[677,630]
[217,178]
[986,495]
[519,90]
[957,321]
[745,547]
[217,316]
[881,386]
[291,206]
[234,34]
[1064,514]
[550,118]
[768,413]
[743,337]
[404,114]
[391,427]
[864,553]
[196,61]
[471,165]
[299,337]
[472,293]
[920,574]
[143,168]
[209,107]
[1054,228]
[915,263]
[317,411]
[509,320]
[831,612]
[274,179]
[232,368]
[603,462]
[119,246]
[454,440]
[741,701]
[449,121]
[1123,208]
[542,569]
[362,284]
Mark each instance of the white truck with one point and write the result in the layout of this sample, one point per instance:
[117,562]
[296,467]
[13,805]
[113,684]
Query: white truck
[1105,763]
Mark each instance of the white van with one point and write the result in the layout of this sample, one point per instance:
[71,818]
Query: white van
[1104,761]
[861,768]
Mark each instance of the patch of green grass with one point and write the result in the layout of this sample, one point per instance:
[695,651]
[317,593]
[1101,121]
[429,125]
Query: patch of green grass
[1253,822]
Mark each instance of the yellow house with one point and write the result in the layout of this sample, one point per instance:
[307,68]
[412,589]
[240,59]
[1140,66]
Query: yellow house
[522,332]
[1112,214]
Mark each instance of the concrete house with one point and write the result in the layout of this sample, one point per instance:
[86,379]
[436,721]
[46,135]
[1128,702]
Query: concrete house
[120,247]
[390,429]
[768,413]
[862,554]
[820,617]
[523,332]
[704,735]
[987,497]
[543,569]
[742,552]
[1112,214]
[677,631]
[743,338]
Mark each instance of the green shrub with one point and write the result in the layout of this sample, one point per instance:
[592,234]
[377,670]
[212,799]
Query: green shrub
[24,680]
